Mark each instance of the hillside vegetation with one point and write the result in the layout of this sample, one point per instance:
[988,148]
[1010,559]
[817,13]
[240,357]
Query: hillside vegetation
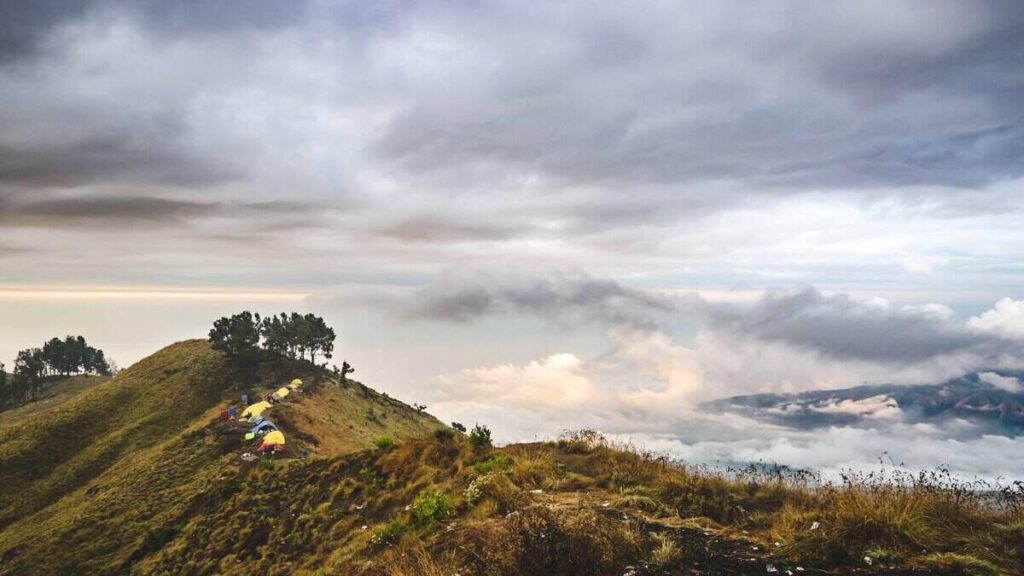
[104,475]
[138,475]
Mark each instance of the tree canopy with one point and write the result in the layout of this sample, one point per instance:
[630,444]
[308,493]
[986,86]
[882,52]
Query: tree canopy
[34,368]
[294,335]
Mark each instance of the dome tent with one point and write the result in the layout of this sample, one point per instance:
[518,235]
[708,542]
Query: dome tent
[256,409]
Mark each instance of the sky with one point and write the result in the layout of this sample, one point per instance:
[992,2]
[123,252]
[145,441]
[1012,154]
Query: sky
[537,215]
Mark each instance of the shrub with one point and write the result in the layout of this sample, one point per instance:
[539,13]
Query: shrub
[384,442]
[430,507]
[665,552]
[386,534]
[495,463]
[497,488]
[580,441]
[369,475]
[480,438]
[444,435]
[563,543]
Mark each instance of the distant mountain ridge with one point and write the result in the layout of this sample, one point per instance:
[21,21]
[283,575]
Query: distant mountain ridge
[972,397]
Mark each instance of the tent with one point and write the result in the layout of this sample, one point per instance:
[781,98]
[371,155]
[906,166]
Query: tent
[263,427]
[282,392]
[255,410]
[295,384]
[264,448]
[275,437]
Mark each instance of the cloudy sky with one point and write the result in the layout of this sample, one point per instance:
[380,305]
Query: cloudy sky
[540,216]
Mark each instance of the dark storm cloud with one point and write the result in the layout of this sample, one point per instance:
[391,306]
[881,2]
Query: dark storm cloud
[108,157]
[846,329]
[613,128]
[103,210]
[813,95]
[432,229]
[24,24]
[556,296]
[835,326]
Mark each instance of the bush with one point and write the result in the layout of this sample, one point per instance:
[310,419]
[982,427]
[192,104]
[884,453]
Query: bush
[497,488]
[384,442]
[480,438]
[386,534]
[369,475]
[430,507]
[493,464]
[563,543]
[581,441]
[444,435]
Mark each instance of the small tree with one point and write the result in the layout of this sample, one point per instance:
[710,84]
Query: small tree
[480,438]
[29,371]
[238,337]
[319,337]
[5,393]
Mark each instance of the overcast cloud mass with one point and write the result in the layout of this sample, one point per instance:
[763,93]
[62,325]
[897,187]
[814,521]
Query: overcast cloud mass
[539,216]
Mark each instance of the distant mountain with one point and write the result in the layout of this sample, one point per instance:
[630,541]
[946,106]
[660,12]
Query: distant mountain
[992,401]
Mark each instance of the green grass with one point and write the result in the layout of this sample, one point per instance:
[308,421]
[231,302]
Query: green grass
[54,395]
[113,475]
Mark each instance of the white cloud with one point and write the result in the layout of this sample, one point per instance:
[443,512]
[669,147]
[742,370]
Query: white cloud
[1005,319]
[881,406]
[673,374]
[552,382]
[1006,383]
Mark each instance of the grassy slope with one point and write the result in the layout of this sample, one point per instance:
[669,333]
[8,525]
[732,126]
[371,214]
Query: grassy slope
[109,476]
[56,394]
[572,508]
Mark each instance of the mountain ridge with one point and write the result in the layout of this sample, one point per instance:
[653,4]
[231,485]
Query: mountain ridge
[969,397]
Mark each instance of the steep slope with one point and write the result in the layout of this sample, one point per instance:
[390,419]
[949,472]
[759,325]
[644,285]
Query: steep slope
[56,394]
[62,449]
[109,476]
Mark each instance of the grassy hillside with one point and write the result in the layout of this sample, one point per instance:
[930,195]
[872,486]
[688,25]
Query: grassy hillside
[434,507]
[105,477]
[54,395]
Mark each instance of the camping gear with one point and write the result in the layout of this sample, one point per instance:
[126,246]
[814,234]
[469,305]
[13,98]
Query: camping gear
[255,419]
[272,442]
[282,392]
[249,436]
[232,411]
[294,385]
[275,437]
[255,410]
[263,427]
[245,399]
[269,448]
[224,416]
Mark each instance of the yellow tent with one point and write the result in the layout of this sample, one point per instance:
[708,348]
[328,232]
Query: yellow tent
[275,437]
[256,409]
[282,392]
[295,384]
